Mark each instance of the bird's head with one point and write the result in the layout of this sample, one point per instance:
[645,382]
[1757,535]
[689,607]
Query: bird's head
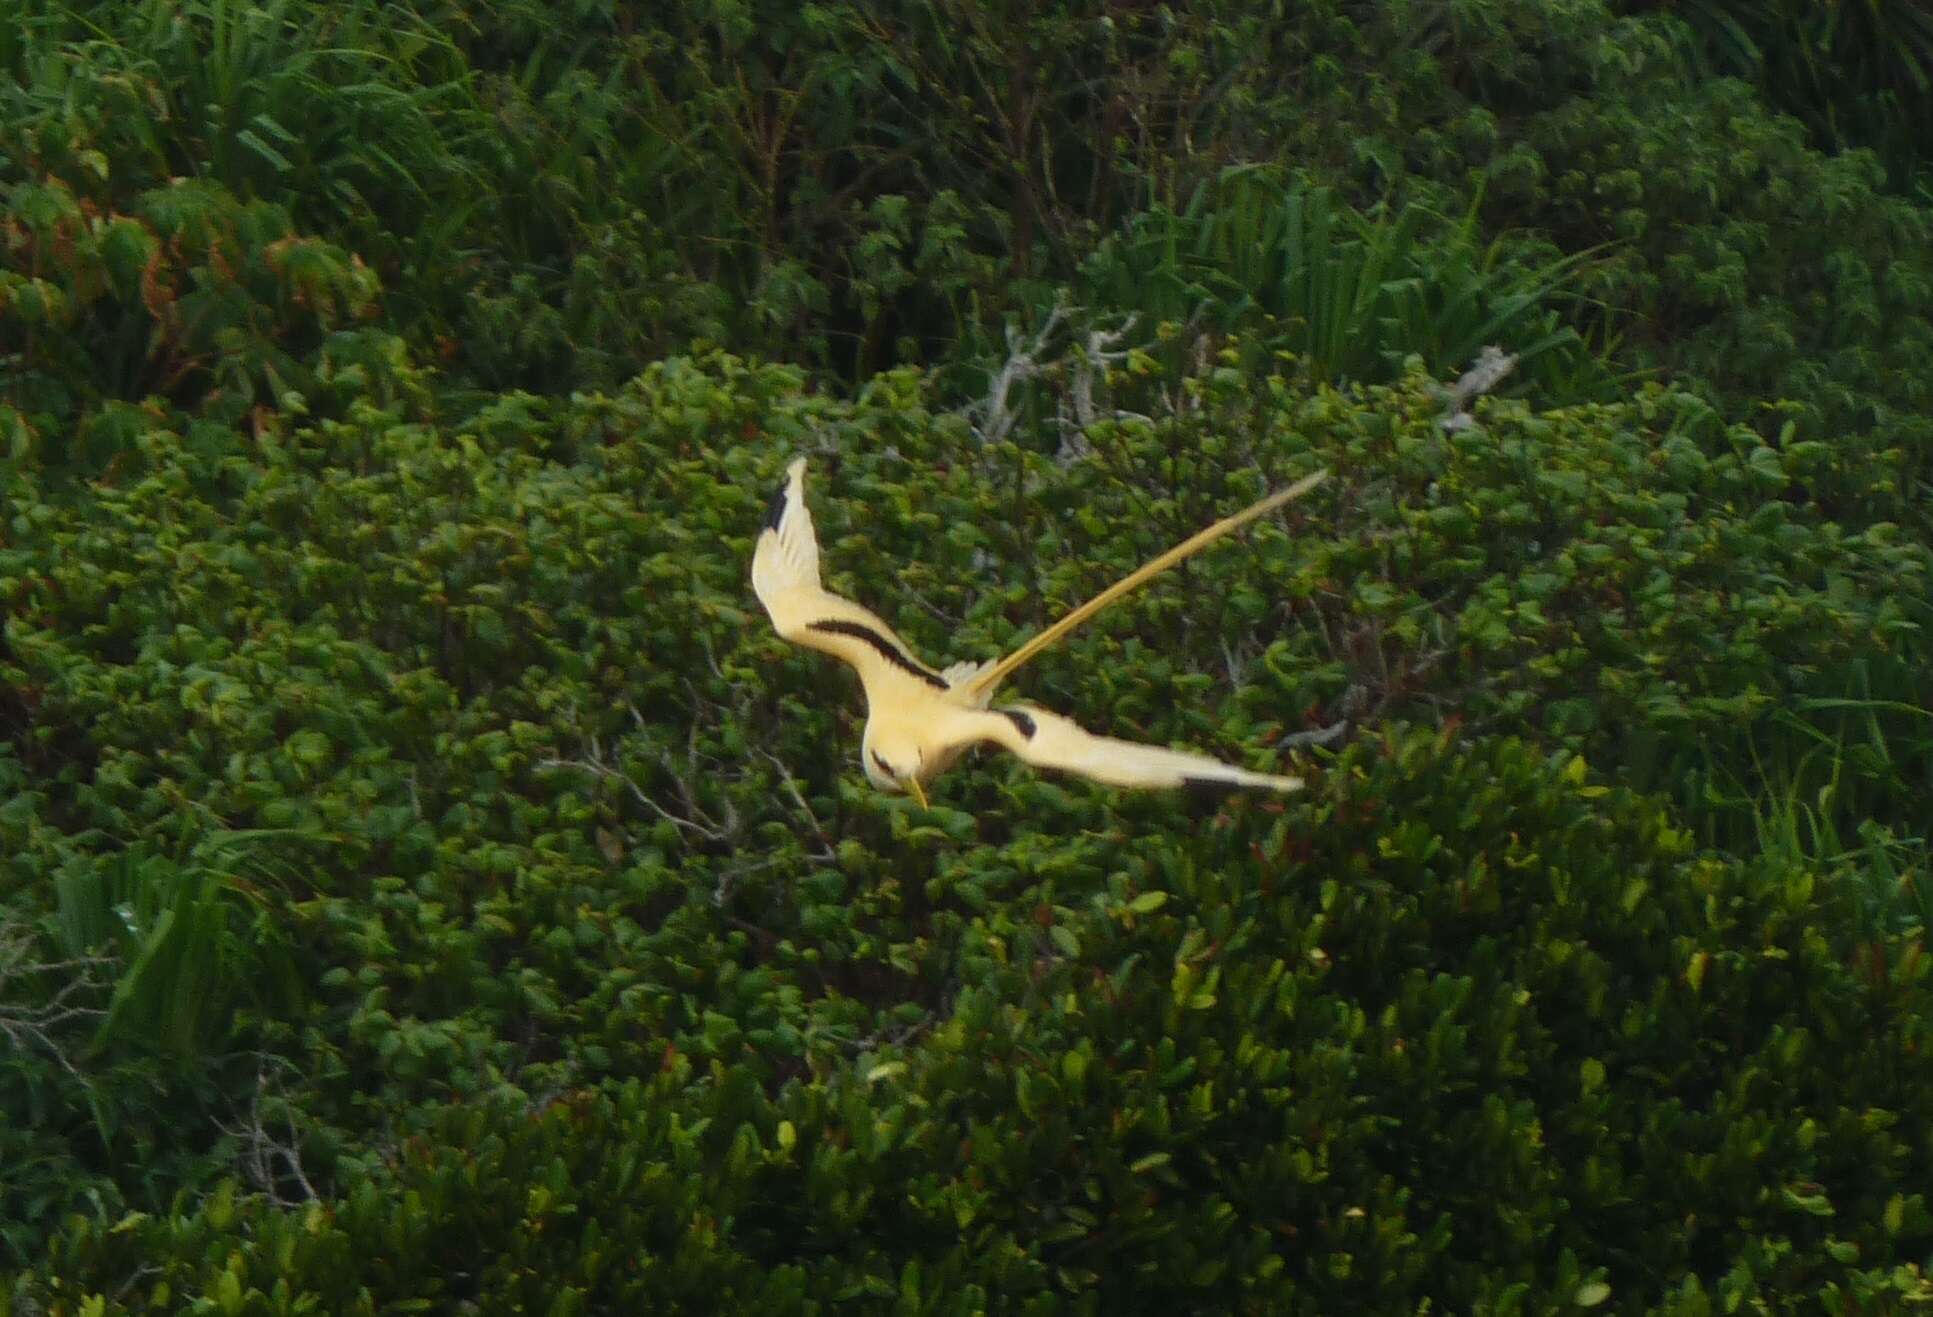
[895,764]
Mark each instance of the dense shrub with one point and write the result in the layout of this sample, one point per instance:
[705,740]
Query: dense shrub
[554,199]
[482,723]
[1377,1048]
[1855,75]
[1749,262]
[1301,277]
[424,878]
[190,301]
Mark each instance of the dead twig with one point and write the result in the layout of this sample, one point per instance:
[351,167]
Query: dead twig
[41,1024]
[1025,354]
[261,1148]
[595,764]
[1492,365]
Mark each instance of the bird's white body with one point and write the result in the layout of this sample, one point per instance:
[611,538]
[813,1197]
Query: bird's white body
[920,720]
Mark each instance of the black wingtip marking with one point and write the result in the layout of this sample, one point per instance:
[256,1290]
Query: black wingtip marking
[1214,787]
[892,653]
[775,510]
[1022,723]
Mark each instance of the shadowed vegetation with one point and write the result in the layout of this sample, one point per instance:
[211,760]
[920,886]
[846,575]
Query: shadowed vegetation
[424,877]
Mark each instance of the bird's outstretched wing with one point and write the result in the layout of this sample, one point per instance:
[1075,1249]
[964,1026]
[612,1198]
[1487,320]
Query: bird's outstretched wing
[1048,740]
[785,576]
[979,688]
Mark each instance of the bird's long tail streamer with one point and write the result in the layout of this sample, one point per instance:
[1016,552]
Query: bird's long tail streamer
[990,679]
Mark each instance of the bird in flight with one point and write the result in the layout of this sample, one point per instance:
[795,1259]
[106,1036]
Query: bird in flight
[919,721]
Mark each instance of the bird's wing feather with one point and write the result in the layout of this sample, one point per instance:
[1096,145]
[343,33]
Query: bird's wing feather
[980,688]
[785,576]
[1049,740]
[962,681]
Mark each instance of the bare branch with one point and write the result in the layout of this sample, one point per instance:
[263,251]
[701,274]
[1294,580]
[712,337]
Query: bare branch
[1024,362]
[1092,361]
[262,1148]
[594,764]
[798,797]
[1492,365]
[695,819]
[42,1023]
[1319,736]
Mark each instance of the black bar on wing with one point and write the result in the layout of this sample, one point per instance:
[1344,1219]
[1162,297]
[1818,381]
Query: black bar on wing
[892,653]
[1022,723]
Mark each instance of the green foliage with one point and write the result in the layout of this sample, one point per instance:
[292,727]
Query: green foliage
[424,878]
[1350,297]
[1378,1047]
[1740,258]
[340,109]
[185,933]
[511,210]
[1855,74]
[193,298]
[1639,581]
[552,199]
[603,897]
